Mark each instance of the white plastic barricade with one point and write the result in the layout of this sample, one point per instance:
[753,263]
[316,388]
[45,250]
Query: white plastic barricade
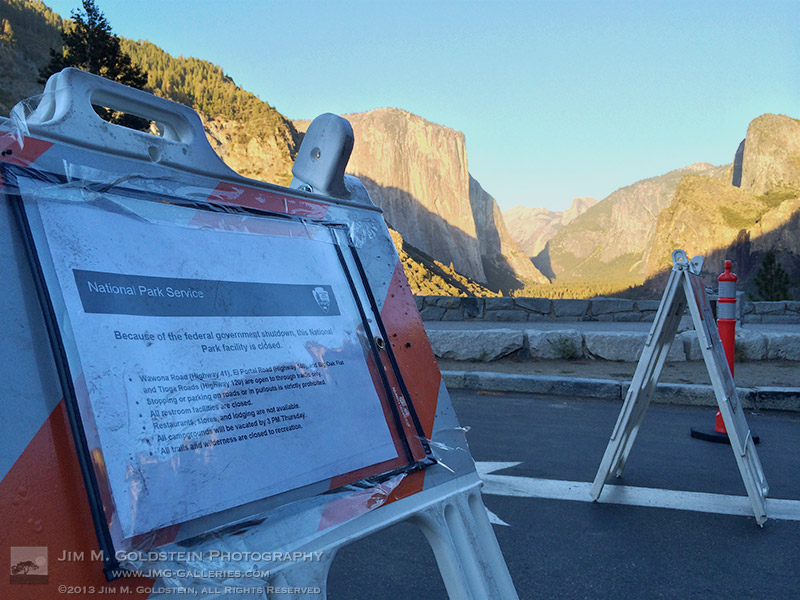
[210,383]
[685,289]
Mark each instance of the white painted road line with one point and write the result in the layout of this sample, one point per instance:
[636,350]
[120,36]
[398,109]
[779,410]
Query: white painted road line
[491,467]
[553,489]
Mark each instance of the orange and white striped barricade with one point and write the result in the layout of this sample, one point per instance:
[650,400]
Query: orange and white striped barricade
[211,384]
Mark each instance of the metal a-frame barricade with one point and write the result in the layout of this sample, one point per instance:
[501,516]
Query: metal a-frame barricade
[41,478]
[685,289]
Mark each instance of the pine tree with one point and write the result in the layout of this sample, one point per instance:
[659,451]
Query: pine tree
[772,280]
[91,46]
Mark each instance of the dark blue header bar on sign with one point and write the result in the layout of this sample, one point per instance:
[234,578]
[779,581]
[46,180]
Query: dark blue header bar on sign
[120,294]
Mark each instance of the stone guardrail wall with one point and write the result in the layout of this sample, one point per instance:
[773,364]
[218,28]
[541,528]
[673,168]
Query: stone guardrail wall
[448,308]
[486,345]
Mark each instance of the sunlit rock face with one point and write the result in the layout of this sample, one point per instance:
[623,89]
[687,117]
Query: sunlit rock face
[417,171]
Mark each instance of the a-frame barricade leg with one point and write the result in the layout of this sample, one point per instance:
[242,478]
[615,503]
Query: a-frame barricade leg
[643,385]
[457,528]
[466,550]
[685,288]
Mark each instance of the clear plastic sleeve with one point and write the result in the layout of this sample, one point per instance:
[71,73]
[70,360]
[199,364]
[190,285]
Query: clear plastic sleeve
[143,376]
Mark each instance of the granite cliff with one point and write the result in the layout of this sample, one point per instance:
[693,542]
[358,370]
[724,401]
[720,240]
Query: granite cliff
[742,222]
[417,171]
[504,262]
[771,154]
[611,240]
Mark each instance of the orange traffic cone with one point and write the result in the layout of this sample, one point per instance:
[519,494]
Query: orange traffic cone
[726,324]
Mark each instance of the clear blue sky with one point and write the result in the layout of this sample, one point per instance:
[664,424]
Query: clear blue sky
[557,99]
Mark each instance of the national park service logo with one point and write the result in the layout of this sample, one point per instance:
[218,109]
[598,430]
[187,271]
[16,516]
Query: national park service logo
[322,297]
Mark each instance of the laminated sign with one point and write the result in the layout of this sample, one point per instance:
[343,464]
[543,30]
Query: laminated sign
[207,374]
[216,357]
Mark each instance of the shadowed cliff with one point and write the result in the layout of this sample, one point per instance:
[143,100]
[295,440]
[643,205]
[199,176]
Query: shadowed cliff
[417,171]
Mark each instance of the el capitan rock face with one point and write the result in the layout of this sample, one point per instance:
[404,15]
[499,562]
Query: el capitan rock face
[417,172]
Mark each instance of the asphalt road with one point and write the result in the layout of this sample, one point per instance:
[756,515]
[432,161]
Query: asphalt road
[574,550]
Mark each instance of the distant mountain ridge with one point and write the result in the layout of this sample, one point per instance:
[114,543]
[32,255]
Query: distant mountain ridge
[505,264]
[737,211]
[532,228]
[610,240]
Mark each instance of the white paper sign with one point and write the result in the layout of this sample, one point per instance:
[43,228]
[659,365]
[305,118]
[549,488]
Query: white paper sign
[222,365]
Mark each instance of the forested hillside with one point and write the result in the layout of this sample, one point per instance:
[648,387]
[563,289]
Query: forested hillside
[28,29]
[240,125]
[249,134]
